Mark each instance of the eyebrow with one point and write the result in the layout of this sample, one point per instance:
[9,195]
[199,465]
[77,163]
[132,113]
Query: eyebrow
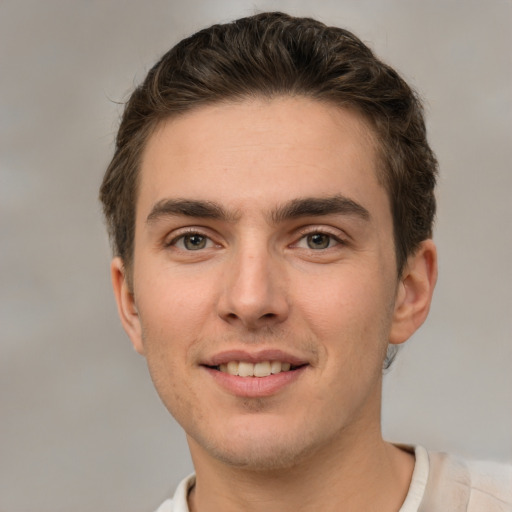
[294,209]
[319,206]
[187,208]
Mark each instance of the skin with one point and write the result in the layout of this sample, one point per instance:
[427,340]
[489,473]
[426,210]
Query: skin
[320,287]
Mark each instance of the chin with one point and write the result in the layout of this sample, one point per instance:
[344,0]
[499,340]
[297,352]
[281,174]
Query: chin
[260,450]
[255,457]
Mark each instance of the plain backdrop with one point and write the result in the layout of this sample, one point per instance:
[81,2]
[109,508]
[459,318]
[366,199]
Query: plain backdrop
[81,428]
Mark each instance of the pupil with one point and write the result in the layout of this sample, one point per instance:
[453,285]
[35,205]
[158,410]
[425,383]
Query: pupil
[318,241]
[194,242]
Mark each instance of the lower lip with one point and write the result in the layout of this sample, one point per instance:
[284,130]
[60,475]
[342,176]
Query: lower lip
[255,387]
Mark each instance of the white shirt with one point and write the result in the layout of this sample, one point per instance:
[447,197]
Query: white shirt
[440,483]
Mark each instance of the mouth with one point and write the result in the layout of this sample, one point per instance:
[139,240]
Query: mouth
[258,374]
[258,370]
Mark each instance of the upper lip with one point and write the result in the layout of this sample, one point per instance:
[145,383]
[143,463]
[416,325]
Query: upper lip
[253,357]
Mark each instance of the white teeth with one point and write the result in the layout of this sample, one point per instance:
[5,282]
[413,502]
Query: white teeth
[245,369]
[275,366]
[262,369]
[232,367]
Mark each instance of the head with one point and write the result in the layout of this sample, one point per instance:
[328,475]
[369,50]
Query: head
[270,201]
[271,55]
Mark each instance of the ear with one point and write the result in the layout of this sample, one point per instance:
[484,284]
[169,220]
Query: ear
[414,293]
[126,304]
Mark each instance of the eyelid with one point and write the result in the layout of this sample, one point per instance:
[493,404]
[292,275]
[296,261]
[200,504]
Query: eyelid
[335,233]
[172,238]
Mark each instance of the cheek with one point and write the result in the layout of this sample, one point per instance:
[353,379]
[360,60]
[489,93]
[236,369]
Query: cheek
[174,309]
[166,338]
[174,302]
[349,313]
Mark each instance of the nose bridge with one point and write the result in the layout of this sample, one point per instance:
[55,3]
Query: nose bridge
[254,293]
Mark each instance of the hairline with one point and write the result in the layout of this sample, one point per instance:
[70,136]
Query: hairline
[370,132]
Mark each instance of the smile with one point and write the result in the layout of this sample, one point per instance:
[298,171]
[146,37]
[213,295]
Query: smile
[248,369]
[257,374]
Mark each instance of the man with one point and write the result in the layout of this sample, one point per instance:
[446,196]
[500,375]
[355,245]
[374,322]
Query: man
[270,202]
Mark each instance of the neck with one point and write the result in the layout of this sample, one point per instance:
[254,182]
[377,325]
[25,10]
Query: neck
[360,472]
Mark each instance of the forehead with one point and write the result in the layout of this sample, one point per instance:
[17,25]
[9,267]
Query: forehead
[263,151]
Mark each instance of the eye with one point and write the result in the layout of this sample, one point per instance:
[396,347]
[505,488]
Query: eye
[318,241]
[192,242]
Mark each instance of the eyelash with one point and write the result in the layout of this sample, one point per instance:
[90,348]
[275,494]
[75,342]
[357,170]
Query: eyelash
[183,234]
[303,234]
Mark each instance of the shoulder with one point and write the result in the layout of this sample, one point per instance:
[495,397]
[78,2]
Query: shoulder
[472,486]
[166,506]
[491,482]
[179,500]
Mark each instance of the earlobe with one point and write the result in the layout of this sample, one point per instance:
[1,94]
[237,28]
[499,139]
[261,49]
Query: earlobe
[414,293]
[126,304]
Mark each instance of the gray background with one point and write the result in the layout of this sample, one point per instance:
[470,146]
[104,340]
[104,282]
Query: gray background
[81,427]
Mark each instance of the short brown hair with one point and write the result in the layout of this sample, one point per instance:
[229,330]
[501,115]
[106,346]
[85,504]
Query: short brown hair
[273,54]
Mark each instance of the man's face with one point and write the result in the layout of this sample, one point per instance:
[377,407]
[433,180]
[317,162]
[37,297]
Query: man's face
[263,236]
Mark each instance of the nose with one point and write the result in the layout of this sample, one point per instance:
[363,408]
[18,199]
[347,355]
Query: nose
[254,294]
